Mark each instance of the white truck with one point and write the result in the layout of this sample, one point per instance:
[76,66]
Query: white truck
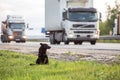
[13,29]
[71,21]
[116,28]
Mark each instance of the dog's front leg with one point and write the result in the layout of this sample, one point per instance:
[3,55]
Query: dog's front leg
[46,61]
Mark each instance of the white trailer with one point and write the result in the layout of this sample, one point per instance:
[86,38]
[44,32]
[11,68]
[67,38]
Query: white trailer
[71,21]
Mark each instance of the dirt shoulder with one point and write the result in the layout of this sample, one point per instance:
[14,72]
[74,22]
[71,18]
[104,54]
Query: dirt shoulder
[67,54]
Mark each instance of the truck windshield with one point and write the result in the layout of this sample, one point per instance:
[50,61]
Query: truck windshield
[83,16]
[17,25]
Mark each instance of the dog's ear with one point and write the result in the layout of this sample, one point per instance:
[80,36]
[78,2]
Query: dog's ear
[40,43]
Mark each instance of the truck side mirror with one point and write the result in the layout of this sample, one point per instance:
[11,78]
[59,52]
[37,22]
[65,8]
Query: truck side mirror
[64,15]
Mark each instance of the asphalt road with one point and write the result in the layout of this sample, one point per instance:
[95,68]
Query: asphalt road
[87,46]
[111,47]
[100,52]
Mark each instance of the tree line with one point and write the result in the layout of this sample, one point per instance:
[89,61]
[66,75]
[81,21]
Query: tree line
[107,26]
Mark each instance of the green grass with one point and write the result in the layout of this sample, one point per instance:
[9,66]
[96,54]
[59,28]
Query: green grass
[15,66]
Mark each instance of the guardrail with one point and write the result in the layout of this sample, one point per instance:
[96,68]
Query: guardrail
[37,38]
[107,37]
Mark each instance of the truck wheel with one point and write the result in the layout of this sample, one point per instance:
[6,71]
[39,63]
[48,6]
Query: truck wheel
[80,42]
[66,42]
[58,42]
[17,41]
[9,41]
[93,42]
[4,38]
[23,41]
[75,43]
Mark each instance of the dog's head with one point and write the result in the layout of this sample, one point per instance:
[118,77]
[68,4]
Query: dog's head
[45,46]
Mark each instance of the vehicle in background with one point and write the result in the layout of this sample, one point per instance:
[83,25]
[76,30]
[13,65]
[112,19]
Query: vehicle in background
[13,29]
[71,21]
[116,29]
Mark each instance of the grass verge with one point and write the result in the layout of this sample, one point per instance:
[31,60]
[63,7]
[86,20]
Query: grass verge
[15,66]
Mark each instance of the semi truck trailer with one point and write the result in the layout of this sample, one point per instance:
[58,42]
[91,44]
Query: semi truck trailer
[71,21]
[13,29]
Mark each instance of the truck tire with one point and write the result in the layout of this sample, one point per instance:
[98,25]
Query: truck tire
[4,38]
[80,43]
[9,41]
[66,42]
[58,42]
[23,41]
[75,42]
[17,41]
[93,42]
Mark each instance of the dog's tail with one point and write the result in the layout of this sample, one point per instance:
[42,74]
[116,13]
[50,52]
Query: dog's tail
[32,64]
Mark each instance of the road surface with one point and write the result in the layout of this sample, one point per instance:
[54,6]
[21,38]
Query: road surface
[99,52]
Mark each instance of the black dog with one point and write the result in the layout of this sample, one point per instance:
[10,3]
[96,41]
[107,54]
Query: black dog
[42,56]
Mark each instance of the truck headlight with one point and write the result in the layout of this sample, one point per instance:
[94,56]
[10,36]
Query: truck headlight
[24,37]
[10,37]
[70,34]
[96,36]
[97,32]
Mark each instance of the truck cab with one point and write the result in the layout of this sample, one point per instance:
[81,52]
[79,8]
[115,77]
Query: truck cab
[13,29]
[81,24]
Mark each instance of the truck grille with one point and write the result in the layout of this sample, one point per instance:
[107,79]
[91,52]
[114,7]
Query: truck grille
[83,26]
[83,32]
[17,33]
